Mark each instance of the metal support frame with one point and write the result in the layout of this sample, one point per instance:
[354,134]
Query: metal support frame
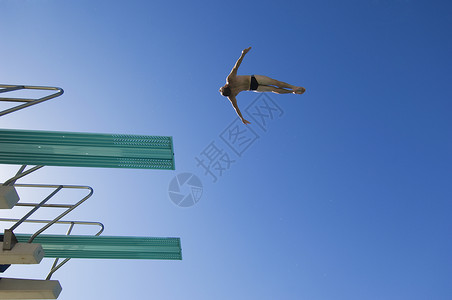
[21,173]
[9,239]
[4,88]
[35,208]
[69,207]
[55,265]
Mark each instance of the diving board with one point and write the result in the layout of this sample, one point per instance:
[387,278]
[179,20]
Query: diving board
[72,149]
[107,247]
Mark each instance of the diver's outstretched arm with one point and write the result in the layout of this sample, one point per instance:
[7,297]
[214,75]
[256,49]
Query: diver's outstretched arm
[237,110]
[237,64]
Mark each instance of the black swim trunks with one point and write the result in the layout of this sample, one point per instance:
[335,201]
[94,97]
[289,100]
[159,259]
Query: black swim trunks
[253,84]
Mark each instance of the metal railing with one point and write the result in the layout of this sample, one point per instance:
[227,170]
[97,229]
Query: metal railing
[9,239]
[55,265]
[4,88]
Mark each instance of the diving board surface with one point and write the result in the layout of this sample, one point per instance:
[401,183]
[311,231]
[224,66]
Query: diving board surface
[108,247]
[73,149]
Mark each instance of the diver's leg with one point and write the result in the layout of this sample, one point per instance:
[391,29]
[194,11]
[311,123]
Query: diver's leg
[264,80]
[276,90]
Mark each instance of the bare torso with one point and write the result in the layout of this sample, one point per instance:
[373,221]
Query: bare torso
[239,83]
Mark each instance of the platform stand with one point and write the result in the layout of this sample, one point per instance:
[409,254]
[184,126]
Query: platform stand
[12,288]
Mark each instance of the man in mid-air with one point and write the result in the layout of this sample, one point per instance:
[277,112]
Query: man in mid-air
[258,83]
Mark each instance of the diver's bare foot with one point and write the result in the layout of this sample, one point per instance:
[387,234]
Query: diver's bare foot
[299,90]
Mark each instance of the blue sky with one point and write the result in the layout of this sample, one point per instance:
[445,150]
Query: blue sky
[346,195]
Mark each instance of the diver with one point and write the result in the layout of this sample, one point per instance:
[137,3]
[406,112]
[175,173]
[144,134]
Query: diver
[258,83]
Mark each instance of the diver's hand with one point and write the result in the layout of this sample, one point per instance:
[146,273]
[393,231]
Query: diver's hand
[246,50]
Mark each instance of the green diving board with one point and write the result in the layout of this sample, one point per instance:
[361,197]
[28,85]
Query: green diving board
[107,247]
[72,149]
